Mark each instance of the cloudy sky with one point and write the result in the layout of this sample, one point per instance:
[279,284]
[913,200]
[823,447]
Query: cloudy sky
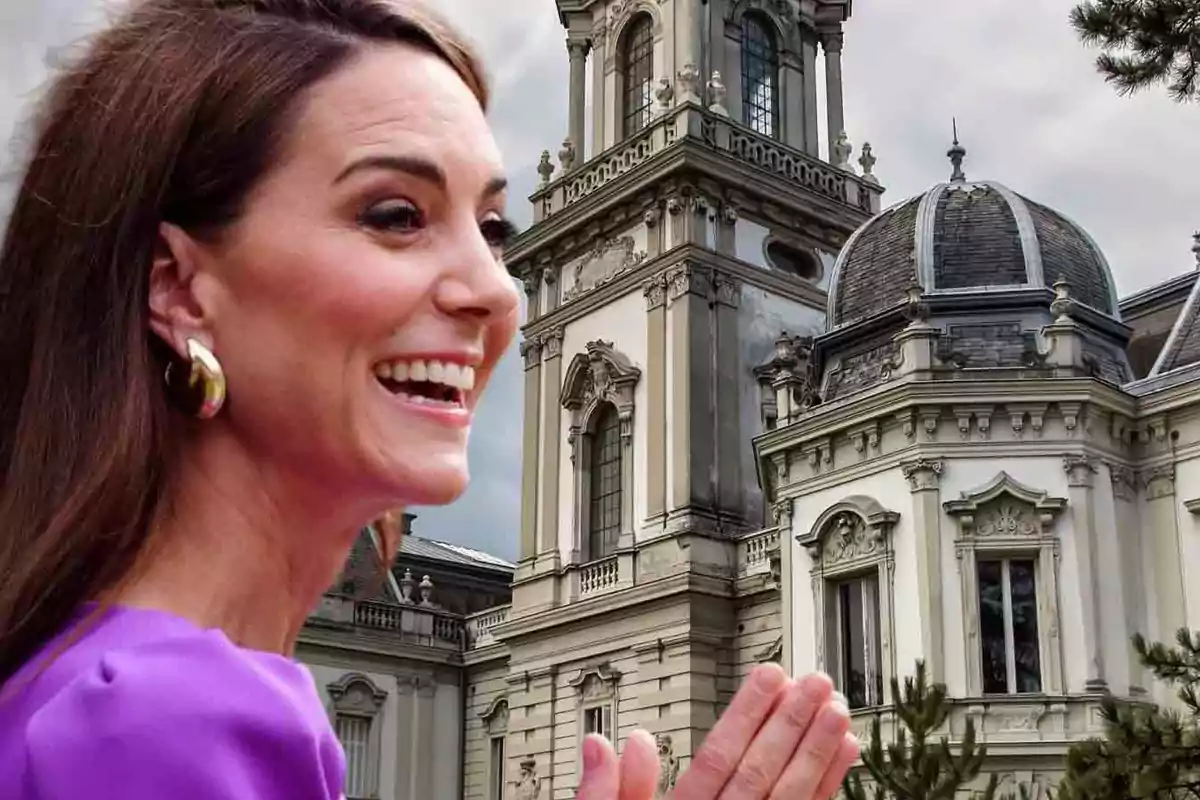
[1031,111]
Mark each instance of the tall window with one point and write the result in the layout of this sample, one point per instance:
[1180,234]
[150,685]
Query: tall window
[354,732]
[1008,627]
[637,73]
[852,628]
[496,789]
[760,76]
[598,720]
[605,495]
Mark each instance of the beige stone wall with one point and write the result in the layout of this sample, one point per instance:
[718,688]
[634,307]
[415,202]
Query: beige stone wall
[759,630]
[487,688]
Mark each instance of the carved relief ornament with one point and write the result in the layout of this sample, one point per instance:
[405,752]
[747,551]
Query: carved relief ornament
[529,785]
[600,375]
[609,259]
[922,474]
[856,529]
[668,764]
[1004,509]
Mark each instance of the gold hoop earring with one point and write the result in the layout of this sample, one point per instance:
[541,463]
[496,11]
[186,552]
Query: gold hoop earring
[205,378]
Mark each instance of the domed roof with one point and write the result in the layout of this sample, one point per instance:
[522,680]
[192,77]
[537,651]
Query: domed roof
[965,236]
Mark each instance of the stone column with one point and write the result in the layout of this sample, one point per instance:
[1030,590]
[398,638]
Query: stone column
[599,101]
[531,351]
[1080,472]
[924,478]
[812,144]
[831,42]
[577,50]
[727,370]
[547,545]
[655,418]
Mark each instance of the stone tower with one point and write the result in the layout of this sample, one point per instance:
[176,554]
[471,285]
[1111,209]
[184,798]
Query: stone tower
[664,260]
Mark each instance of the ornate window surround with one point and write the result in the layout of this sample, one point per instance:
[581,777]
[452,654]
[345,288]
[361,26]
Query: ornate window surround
[495,725]
[857,550]
[356,695]
[595,688]
[599,375]
[773,59]
[1005,519]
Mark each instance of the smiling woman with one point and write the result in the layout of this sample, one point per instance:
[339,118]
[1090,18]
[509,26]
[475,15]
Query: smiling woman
[250,293]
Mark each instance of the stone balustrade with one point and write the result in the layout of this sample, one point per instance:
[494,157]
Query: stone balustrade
[480,625]
[691,123]
[755,552]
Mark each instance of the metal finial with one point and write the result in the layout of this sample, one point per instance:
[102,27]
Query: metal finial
[956,154]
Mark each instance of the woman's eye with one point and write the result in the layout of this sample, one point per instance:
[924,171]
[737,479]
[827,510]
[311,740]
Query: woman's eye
[498,232]
[397,216]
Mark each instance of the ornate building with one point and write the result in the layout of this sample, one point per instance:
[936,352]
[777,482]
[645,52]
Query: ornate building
[766,421]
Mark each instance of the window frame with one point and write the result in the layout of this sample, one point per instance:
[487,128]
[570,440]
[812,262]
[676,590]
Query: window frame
[769,57]
[605,422]
[1006,520]
[639,31]
[596,691]
[355,696]
[598,376]
[849,540]
[495,728]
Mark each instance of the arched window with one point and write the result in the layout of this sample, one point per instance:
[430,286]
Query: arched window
[605,495]
[760,76]
[637,73]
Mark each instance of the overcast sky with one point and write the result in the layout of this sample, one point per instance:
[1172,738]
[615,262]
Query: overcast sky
[1032,113]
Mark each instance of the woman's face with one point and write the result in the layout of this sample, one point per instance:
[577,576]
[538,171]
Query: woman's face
[360,305]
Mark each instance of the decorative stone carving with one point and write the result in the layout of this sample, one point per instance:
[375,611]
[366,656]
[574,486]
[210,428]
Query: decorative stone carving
[426,589]
[495,716]
[842,150]
[355,692]
[728,290]
[531,352]
[550,342]
[687,84]
[668,764]
[407,584]
[1159,482]
[716,95]
[529,785]
[651,216]
[655,291]
[664,93]
[566,156]
[1124,482]
[545,168]
[786,10]
[849,532]
[922,474]
[1079,469]
[689,279]
[595,682]
[1005,508]
[867,161]
[600,375]
[781,513]
[607,260]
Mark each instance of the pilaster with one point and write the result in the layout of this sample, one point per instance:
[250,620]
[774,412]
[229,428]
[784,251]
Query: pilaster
[1166,572]
[727,373]
[924,478]
[531,352]
[655,419]
[577,51]
[551,431]
[812,142]
[1080,472]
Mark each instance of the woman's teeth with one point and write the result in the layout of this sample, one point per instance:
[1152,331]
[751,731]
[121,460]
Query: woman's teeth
[427,380]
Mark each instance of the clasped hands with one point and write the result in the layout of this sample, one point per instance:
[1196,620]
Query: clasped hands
[780,738]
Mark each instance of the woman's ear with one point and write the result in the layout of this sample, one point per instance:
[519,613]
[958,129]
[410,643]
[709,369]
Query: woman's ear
[176,312]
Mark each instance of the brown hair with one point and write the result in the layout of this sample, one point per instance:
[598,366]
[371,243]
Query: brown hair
[173,114]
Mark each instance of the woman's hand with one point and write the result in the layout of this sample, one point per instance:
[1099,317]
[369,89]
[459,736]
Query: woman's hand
[779,738]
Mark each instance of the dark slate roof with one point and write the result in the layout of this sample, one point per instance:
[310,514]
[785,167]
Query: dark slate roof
[1068,252]
[965,236]
[363,579]
[976,241]
[877,264]
[1183,343]
[416,547]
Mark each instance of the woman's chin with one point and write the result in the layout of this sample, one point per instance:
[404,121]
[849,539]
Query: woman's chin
[433,484]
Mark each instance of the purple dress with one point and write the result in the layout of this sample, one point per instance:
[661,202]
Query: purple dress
[148,705]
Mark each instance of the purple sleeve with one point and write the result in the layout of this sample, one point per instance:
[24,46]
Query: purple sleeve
[190,720]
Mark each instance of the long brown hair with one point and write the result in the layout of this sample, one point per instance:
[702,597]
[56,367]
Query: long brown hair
[173,114]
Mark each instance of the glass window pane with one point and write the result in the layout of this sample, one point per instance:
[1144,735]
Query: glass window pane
[1023,591]
[760,76]
[991,627]
[637,71]
[605,500]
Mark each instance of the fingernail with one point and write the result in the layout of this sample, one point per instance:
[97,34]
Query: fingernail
[769,676]
[591,752]
[836,716]
[838,697]
[816,687]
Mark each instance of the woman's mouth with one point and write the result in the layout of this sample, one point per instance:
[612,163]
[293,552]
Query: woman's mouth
[431,383]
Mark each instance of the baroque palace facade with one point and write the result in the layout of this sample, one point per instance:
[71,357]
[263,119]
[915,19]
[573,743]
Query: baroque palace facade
[767,420]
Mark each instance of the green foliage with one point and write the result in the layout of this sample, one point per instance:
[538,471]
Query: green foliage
[1144,43]
[1147,751]
[913,767]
